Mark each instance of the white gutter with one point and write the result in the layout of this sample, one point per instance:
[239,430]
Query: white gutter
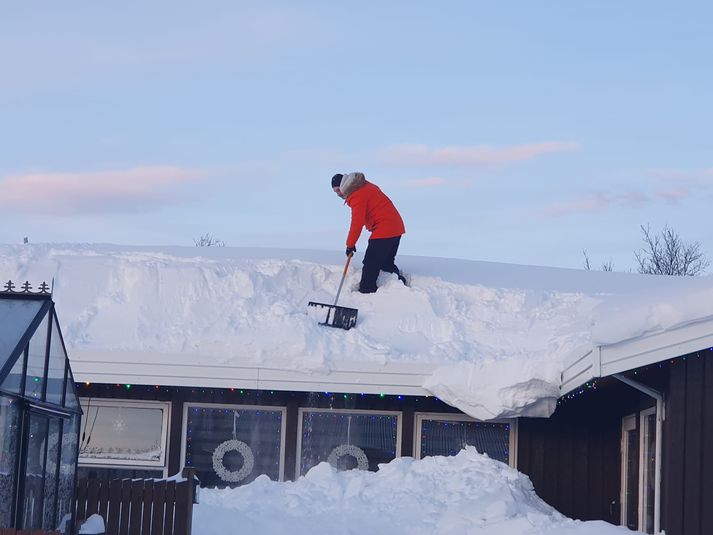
[660,417]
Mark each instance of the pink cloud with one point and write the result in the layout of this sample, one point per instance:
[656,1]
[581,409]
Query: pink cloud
[128,190]
[430,182]
[674,195]
[478,155]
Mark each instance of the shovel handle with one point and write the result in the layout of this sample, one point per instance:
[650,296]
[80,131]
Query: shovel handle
[344,275]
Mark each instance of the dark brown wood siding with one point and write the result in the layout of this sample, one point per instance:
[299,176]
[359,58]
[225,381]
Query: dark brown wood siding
[573,458]
[687,493]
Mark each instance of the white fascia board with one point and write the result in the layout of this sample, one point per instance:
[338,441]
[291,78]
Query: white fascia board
[610,359]
[190,371]
[657,347]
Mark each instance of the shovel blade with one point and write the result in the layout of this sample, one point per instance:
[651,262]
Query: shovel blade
[338,317]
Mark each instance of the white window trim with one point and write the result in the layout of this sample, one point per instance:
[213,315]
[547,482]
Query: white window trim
[419,417]
[643,464]
[300,418]
[273,408]
[628,423]
[131,403]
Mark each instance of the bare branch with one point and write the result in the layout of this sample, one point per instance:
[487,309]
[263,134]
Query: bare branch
[666,253]
[207,240]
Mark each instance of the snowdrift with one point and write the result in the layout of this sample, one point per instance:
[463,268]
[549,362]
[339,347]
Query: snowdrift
[465,494]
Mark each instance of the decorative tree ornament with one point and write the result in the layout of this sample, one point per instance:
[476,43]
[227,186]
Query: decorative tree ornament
[351,450]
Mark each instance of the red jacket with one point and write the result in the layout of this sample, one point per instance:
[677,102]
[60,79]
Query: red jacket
[372,209]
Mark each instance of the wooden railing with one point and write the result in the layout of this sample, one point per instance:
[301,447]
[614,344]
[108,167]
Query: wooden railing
[138,506]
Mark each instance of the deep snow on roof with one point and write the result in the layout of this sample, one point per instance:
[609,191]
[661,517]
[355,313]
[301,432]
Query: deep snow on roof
[498,333]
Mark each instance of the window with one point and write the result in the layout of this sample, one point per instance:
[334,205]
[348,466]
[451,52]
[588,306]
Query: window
[231,445]
[123,432]
[347,438]
[447,434]
[638,471]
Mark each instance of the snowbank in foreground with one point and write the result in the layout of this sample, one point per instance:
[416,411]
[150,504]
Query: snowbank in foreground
[496,335]
[464,494]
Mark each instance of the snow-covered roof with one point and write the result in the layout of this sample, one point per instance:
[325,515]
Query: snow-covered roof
[491,339]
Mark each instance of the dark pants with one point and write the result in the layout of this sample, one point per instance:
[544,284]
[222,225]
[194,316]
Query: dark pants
[379,256]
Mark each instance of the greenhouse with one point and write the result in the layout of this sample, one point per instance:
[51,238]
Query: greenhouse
[39,413]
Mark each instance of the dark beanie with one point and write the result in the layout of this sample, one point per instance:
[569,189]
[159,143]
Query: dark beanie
[337,180]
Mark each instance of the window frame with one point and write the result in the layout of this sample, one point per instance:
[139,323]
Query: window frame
[300,418]
[162,464]
[419,417]
[643,466]
[283,425]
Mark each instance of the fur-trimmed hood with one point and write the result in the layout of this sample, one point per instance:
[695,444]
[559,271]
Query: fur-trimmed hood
[351,182]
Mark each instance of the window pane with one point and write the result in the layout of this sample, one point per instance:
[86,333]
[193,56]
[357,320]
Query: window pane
[36,361]
[229,447]
[9,429]
[53,451]
[347,440]
[649,471]
[55,371]
[33,501]
[632,479]
[13,381]
[444,437]
[121,433]
[68,464]
[71,400]
[15,317]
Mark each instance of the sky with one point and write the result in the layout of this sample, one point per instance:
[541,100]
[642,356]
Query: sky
[521,132]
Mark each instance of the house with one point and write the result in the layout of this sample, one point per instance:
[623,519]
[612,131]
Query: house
[596,385]
[39,413]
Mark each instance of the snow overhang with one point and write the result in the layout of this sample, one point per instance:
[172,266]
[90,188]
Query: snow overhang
[610,359]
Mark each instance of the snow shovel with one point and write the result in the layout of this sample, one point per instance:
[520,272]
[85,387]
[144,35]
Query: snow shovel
[341,317]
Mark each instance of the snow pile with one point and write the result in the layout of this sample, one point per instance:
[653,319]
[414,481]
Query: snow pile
[496,335]
[465,494]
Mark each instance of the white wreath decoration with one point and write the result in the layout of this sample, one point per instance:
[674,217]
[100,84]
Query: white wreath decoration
[349,449]
[248,460]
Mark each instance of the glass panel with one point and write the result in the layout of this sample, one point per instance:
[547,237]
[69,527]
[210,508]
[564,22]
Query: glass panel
[123,434]
[232,446]
[649,471]
[53,452]
[55,371]
[36,361]
[347,440]
[33,501]
[100,472]
[15,317]
[632,479]
[68,464]
[444,437]
[71,400]
[9,434]
[13,381]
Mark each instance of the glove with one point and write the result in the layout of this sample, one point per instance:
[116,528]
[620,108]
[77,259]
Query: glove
[351,251]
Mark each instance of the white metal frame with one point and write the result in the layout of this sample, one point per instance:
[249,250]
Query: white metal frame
[132,404]
[419,417]
[274,408]
[628,423]
[300,418]
[643,465]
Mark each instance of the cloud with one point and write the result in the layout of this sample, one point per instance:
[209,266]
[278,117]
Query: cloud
[595,203]
[133,190]
[473,156]
[418,183]
[674,195]
[598,202]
